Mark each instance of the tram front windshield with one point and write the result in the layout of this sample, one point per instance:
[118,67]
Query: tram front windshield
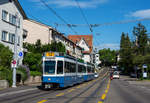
[49,67]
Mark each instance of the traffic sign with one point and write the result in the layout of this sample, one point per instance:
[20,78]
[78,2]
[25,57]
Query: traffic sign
[14,64]
[20,54]
[144,66]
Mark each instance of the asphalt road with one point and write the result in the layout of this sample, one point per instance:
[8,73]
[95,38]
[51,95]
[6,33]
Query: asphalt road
[100,90]
[87,92]
[121,91]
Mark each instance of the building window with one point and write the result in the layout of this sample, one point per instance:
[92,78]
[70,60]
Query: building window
[11,38]
[4,15]
[4,35]
[12,19]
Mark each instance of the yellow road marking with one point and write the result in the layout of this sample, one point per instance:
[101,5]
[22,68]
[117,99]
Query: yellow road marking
[108,87]
[100,102]
[106,91]
[103,96]
[71,90]
[78,86]
[61,94]
[42,101]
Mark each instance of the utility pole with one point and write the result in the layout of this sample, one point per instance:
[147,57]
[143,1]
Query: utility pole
[15,53]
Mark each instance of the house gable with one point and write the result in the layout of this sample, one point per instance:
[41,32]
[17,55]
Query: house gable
[82,43]
[18,6]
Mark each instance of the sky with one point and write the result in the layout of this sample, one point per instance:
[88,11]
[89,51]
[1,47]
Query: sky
[98,12]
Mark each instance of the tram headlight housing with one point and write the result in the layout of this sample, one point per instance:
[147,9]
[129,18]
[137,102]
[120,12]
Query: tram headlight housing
[49,79]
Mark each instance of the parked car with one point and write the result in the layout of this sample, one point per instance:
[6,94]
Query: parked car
[96,75]
[116,75]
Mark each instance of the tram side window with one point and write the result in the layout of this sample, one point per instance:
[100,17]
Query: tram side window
[66,67]
[92,69]
[83,69]
[60,67]
[72,68]
[88,69]
[49,67]
[79,68]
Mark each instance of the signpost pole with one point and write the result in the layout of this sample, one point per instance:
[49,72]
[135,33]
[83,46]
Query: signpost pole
[15,54]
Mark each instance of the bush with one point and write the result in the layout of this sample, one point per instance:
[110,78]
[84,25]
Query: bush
[6,74]
[35,73]
[6,56]
[22,71]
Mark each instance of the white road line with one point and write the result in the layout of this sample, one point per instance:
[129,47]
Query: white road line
[16,92]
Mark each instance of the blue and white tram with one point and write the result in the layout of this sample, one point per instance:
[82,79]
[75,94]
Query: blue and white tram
[62,71]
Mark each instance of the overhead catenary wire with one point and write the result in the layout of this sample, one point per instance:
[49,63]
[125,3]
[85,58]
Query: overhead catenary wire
[55,13]
[84,17]
[87,23]
[105,24]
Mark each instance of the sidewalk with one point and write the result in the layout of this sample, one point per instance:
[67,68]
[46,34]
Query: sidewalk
[19,88]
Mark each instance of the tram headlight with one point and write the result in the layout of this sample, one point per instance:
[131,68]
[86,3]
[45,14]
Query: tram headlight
[49,78]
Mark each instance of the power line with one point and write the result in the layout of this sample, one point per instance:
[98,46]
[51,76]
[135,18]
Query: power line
[84,17]
[105,24]
[55,13]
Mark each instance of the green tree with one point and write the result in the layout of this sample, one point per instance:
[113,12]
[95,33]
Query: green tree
[141,38]
[125,53]
[38,46]
[33,61]
[58,47]
[107,56]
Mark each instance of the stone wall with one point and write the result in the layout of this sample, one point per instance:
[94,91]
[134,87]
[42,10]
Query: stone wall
[33,80]
[4,84]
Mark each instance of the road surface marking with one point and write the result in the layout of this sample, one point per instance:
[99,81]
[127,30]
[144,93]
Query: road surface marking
[19,91]
[106,91]
[61,94]
[100,102]
[78,86]
[71,90]
[42,101]
[103,96]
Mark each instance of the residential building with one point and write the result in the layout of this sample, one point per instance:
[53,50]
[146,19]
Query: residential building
[85,42]
[11,25]
[36,30]
[97,60]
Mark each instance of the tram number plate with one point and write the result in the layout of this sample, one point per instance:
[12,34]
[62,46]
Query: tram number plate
[49,54]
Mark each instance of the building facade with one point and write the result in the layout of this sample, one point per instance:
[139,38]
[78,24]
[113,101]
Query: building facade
[36,30]
[85,42]
[11,25]
[97,60]
[47,34]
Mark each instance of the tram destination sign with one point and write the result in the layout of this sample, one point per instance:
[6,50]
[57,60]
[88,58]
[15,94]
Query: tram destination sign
[50,54]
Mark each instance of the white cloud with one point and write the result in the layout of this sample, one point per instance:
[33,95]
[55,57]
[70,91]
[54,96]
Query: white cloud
[72,3]
[112,46]
[140,14]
